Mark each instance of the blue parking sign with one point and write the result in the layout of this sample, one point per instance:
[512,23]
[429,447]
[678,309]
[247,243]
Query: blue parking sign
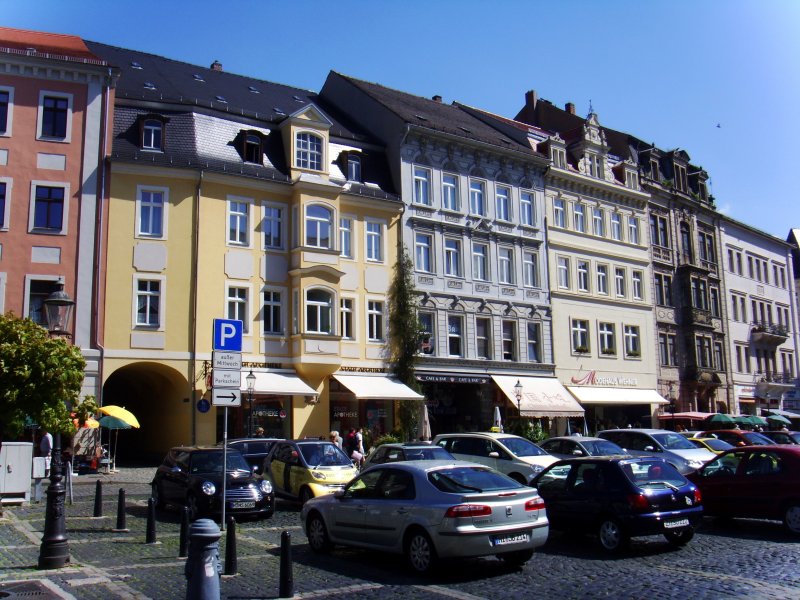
[228,335]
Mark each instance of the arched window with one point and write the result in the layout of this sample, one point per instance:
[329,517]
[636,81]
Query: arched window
[308,151]
[153,134]
[318,226]
[319,311]
[251,150]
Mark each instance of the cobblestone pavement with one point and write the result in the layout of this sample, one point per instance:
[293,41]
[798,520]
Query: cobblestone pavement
[743,559]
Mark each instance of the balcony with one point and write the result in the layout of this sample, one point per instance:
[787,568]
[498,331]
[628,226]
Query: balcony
[696,316]
[768,334]
[662,254]
[772,385]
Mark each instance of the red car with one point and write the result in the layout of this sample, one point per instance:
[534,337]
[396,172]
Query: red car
[757,482]
[737,437]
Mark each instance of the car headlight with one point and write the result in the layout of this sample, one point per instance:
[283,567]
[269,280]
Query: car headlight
[695,464]
[208,488]
[318,475]
[265,486]
[537,469]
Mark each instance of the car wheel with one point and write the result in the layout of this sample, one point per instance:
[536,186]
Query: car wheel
[194,510]
[158,496]
[318,534]
[305,495]
[420,553]
[517,559]
[612,537]
[679,537]
[791,518]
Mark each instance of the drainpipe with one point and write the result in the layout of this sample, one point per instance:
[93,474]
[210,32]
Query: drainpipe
[193,302]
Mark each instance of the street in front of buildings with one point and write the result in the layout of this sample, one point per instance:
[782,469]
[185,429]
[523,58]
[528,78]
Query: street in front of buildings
[744,558]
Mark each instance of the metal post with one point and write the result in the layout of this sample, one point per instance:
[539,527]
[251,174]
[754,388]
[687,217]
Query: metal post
[224,466]
[202,568]
[54,549]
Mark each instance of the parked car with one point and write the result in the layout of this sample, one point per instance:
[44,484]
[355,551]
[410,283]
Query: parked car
[715,445]
[573,445]
[430,510]
[304,469]
[254,450]
[618,498]
[669,445]
[386,453]
[783,437]
[515,456]
[759,482]
[191,476]
[738,437]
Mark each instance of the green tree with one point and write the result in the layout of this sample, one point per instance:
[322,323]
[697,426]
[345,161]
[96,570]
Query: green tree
[404,337]
[40,378]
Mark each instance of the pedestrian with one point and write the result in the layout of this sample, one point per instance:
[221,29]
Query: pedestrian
[351,446]
[260,432]
[46,450]
[335,438]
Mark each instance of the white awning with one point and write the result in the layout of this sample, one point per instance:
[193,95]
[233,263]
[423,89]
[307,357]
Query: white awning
[280,384]
[541,396]
[377,387]
[587,394]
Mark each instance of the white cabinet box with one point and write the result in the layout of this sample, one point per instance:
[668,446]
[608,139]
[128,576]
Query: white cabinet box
[16,464]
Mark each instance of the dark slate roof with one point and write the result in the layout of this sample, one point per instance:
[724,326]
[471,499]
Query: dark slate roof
[513,129]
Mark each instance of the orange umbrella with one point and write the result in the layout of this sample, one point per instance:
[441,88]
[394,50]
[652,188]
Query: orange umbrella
[91,423]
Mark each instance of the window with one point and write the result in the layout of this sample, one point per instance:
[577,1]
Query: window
[353,167]
[148,303]
[699,291]
[580,335]
[5,110]
[346,237]
[719,356]
[616,227]
[273,227]
[598,222]
[3,206]
[619,282]
[636,278]
[503,203]
[563,272]
[477,195]
[703,351]
[238,222]
[509,340]
[530,269]
[505,258]
[706,247]
[483,337]
[602,279]
[667,349]
[347,316]
[632,343]
[534,342]
[308,151]
[595,165]
[583,276]
[151,213]
[38,291]
[375,321]
[428,341]
[237,306]
[654,170]
[714,306]
[607,338]
[252,148]
[152,134]
[631,179]
[374,241]
[318,226]
[527,211]
[633,230]
[319,311]
[423,243]
[48,209]
[559,157]
[54,115]
[422,186]
[452,257]
[450,192]
[663,289]
[480,262]
[686,243]
[579,218]
[681,182]
[659,232]
[454,343]
[273,325]
[559,213]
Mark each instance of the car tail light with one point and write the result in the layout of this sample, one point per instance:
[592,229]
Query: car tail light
[638,502]
[468,510]
[698,497]
[535,504]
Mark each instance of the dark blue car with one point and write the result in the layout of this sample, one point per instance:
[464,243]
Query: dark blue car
[619,498]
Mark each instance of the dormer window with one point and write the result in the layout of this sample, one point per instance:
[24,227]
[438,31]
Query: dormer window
[252,147]
[654,174]
[702,190]
[631,180]
[681,183]
[595,165]
[308,151]
[353,167]
[151,129]
[559,157]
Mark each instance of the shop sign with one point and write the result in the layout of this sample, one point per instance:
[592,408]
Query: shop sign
[376,413]
[273,413]
[341,412]
[426,378]
[592,378]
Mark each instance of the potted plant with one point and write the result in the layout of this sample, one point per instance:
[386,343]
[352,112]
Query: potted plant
[581,349]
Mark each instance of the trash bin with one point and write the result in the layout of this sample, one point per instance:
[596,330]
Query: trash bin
[16,465]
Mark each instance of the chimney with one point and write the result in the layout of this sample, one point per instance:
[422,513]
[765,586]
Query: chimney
[530,98]
[570,108]
[437,98]
[216,66]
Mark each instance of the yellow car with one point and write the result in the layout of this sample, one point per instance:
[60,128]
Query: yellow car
[304,469]
[716,446]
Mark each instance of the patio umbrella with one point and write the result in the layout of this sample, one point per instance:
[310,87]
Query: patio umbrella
[778,419]
[719,419]
[751,420]
[425,424]
[121,413]
[497,421]
[113,424]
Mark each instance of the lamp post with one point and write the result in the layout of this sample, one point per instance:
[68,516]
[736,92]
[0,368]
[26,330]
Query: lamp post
[518,396]
[54,549]
[251,384]
[672,404]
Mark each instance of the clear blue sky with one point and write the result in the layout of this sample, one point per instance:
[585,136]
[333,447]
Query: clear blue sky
[668,72]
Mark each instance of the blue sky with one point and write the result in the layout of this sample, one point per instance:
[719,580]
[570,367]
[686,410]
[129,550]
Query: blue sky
[668,72]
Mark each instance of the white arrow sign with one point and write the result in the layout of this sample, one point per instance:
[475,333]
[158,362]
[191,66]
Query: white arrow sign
[226,397]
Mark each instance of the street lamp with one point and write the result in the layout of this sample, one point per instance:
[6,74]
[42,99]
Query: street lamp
[518,396]
[672,404]
[54,549]
[251,383]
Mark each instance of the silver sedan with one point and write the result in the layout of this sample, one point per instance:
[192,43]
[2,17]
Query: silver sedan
[429,510]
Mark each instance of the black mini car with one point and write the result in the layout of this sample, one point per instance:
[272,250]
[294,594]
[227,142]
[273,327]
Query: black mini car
[192,476]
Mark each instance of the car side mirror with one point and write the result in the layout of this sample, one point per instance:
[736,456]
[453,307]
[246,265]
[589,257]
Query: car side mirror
[577,452]
[649,449]
[175,469]
[494,454]
[255,469]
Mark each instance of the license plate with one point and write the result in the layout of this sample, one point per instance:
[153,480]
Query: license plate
[676,524]
[504,540]
[245,504]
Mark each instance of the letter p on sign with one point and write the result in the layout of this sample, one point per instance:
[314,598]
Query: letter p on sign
[228,335]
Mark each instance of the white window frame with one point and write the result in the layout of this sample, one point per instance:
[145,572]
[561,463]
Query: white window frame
[508,336]
[40,117]
[321,223]
[616,227]
[559,213]
[347,318]
[268,306]
[633,230]
[562,271]
[376,321]
[534,342]
[10,112]
[164,191]
[421,177]
[236,202]
[637,285]
[583,275]
[620,288]
[477,195]
[374,240]
[64,212]
[602,279]
[430,331]
[502,203]
[579,217]
[579,330]
[530,269]
[240,306]
[450,196]
[9,182]
[148,145]
[480,262]
[268,218]
[505,265]
[452,257]
[346,249]
[598,221]
[455,335]
[162,302]
[607,338]
[423,252]
[29,279]
[633,341]
[321,308]
[527,208]
[484,340]
[304,156]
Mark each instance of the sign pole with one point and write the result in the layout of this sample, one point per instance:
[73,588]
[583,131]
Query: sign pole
[224,466]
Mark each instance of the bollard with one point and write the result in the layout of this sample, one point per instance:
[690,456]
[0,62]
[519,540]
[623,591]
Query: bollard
[121,524]
[231,565]
[286,582]
[183,545]
[202,568]
[150,537]
[98,499]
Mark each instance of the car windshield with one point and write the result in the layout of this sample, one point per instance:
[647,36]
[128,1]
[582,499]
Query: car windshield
[428,453]
[521,447]
[756,439]
[674,441]
[211,462]
[602,448]
[324,454]
[653,474]
[718,445]
[461,480]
